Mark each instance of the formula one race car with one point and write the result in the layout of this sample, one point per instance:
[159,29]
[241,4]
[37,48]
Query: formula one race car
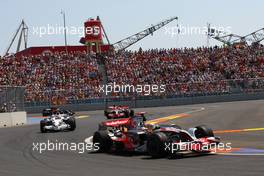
[172,140]
[58,122]
[115,112]
[54,110]
[118,134]
[131,134]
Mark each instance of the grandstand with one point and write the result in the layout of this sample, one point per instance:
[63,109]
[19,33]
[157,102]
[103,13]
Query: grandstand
[54,76]
[62,79]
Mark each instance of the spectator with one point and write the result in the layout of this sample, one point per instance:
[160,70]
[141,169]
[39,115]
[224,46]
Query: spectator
[13,107]
[4,108]
[61,78]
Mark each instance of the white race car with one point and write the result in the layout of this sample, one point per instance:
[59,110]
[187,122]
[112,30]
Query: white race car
[58,122]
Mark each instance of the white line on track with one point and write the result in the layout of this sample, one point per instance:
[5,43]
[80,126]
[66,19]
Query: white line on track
[241,154]
[89,140]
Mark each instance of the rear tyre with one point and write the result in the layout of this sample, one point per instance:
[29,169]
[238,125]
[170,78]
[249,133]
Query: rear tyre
[126,113]
[71,121]
[42,126]
[171,125]
[132,113]
[103,141]
[106,114]
[203,131]
[156,144]
[46,112]
[176,126]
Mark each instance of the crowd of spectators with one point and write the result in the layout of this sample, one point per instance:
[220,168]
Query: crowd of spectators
[52,77]
[183,71]
[60,78]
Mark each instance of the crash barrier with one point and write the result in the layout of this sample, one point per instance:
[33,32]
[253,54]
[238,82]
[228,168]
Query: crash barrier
[176,94]
[155,101]
[10,119]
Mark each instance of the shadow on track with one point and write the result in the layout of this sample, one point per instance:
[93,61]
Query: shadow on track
[145,155]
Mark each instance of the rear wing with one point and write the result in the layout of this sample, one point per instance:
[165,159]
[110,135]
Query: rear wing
[118,107]
[116,122]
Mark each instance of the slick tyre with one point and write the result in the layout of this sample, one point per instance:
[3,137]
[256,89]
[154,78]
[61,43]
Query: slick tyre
[171,125]
[203,131]
[42,126]
[156,144]
[106,114]
[72,122]
[102,140]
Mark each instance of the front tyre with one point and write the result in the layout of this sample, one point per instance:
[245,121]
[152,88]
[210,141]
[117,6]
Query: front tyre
[156,144]
[42,126]
[103,140]
[106,113]
[203,131]
[72,122]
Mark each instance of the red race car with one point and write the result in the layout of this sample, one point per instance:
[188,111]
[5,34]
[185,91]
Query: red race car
[116,112]
[131,134]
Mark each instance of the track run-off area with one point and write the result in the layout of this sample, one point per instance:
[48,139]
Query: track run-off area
[238,123]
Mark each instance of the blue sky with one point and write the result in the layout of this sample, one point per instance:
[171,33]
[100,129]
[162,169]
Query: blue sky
[122,18]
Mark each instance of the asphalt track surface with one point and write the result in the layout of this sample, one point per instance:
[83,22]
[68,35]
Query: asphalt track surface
[17,156]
